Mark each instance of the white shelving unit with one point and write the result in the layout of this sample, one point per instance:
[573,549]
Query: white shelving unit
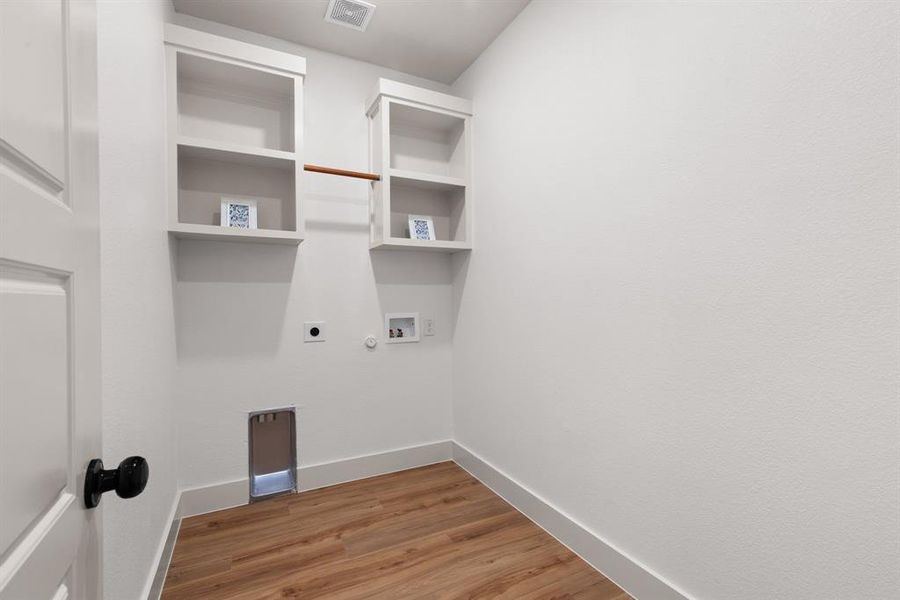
[235,129]
[420,144]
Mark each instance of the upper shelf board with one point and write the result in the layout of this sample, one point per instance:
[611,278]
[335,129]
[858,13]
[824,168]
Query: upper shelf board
[228,49]
[402,91]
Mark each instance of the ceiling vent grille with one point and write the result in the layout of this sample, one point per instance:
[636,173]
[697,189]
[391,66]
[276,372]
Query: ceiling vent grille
[355,14]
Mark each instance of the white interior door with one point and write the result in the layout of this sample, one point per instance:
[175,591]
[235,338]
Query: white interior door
[49,299]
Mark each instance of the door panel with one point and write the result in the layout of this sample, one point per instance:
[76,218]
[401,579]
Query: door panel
[34,436]
[49,299]
[31,55]
[44,559]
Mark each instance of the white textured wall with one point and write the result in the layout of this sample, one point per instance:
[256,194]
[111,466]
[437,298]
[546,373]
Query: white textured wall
[138,330]
[241,307]
[680,323]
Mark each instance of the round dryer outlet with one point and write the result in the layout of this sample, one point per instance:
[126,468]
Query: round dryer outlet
[314,331]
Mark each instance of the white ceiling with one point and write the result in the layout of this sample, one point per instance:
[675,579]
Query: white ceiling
[435,39]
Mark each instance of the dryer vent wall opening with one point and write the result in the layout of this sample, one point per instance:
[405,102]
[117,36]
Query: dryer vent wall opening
[273,453]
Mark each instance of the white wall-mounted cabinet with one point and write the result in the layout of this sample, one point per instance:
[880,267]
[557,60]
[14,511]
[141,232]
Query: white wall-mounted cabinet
[420,145]
[235,130]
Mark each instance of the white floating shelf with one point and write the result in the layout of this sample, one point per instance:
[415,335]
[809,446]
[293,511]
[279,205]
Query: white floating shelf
[429,245]
[426,181]
[420,142]
[193,231]
[236,153]
[235,131]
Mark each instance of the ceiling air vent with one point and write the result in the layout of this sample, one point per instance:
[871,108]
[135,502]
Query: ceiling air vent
[355,14]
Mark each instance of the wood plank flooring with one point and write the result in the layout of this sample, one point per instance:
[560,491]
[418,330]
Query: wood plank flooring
[429,533]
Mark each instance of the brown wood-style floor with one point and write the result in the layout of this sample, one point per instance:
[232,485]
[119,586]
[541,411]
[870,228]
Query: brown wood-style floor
[427,533]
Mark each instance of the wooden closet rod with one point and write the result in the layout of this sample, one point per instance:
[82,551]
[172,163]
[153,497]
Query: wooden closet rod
[342,172]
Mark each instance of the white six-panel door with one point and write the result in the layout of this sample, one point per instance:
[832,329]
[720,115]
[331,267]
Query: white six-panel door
[49,299]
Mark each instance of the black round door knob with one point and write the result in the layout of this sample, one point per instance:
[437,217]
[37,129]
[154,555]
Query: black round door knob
[129,479]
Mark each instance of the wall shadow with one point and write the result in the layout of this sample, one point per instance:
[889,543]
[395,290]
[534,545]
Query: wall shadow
[409,267]
[338,213]
[459,271]
[336,226]
[415,281]
[230,297]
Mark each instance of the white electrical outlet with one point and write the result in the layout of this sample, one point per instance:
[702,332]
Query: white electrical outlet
[314,331]
[428,325]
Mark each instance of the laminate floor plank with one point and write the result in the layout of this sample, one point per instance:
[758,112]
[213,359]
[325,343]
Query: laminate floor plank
[432,533]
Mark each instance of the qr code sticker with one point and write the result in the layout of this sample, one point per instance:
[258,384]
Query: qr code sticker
[421,231]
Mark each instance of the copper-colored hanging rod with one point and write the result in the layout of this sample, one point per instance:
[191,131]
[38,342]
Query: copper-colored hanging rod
[342,172]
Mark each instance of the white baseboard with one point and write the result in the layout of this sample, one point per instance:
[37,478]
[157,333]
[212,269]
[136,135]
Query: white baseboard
[627,573]
[200,500]
[162,558]
[638,580]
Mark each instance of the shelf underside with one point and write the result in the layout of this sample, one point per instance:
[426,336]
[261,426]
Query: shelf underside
[436,122]
[228,79]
